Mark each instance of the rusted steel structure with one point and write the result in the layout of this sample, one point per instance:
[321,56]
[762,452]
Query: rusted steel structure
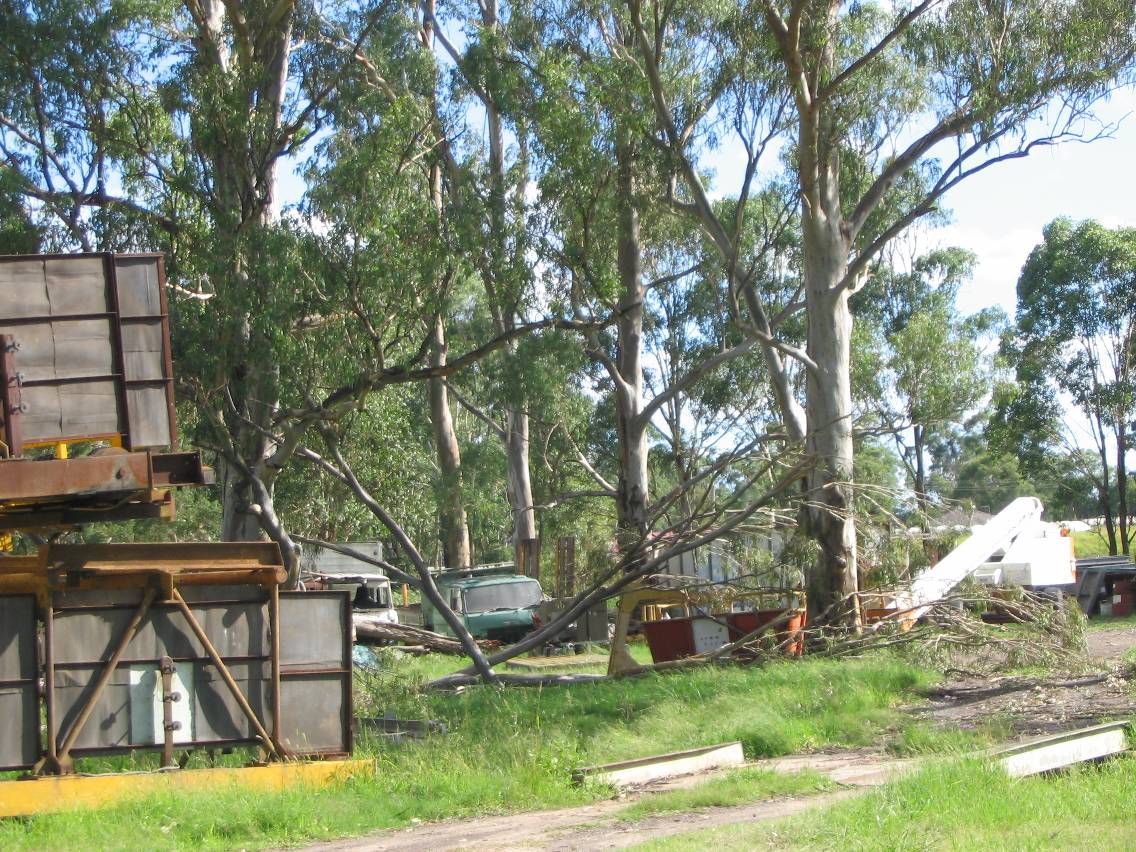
[85,359]
[124,647]
[167,647]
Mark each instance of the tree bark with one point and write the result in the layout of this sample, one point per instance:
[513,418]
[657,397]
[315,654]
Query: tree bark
[451,508]
[517,469]
[829,404]
[1103,488]
[239,196]
[920,470]
[499,293]
[633,493]
[1122,485]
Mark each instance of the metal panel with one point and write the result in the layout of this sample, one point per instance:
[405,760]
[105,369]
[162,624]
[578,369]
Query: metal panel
[216,716]
[87,625]
[236,629]
[314,625]
[19,707]
[315,677]
[93,336]
[315,681]
[315,713]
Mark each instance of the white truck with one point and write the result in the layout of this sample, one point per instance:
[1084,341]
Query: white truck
[368,584]
[1015,547]
[1040,559]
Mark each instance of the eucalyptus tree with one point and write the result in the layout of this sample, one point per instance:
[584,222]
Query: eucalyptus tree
[919,367]
[177,117]
[1075,340]
[479,84]
[607,232]
[880,110]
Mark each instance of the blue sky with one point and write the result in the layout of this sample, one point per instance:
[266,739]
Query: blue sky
[999,215]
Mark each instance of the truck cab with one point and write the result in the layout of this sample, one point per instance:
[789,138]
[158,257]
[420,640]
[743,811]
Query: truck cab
[493,602]
[369,587]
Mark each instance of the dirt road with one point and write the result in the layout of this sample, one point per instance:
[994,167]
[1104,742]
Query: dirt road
[1029,705]
[596,826]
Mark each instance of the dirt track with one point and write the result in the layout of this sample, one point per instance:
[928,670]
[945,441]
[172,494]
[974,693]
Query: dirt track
[596,827]
[1041,705]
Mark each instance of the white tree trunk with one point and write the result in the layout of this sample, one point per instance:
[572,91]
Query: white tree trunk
[829,405]
[633,487]
[451,508]
[517,468]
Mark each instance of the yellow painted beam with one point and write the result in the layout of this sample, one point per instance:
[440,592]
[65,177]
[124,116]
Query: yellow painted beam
[50,793]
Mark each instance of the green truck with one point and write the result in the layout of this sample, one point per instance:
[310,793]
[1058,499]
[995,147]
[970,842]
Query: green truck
[494,602]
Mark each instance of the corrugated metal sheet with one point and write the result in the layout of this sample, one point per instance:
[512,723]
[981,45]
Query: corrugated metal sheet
[19,707]
[94,351]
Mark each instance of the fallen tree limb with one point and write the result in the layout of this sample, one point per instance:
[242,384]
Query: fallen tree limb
[369,628]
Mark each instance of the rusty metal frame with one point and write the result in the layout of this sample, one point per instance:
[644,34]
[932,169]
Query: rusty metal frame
[10,403]
[157,571]
[98,476]
[110,261]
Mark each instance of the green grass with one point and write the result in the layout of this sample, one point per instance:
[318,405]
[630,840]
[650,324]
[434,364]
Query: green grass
[1090,543]
[918,739]
[963,805]
[737,787]
[509,750]
[1099,623]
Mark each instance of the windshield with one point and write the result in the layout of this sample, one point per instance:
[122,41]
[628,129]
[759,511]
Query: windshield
[518,595]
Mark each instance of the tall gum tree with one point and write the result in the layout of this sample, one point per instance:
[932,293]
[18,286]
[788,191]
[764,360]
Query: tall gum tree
[886,108]
[1075,334]
[494,207]
[608,228]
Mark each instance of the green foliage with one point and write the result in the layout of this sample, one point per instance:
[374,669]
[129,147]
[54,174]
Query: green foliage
[919,368]
[1075,322]
[1074,339]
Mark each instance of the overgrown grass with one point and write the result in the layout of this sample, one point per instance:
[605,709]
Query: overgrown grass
[508,750]
[960,805]
[1088,543]
[918,739]
[737,787]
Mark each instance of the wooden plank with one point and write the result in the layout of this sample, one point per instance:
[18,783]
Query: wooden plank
[642,770]
[1062,750]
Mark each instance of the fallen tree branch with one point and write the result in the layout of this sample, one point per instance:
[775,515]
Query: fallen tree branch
[370,628]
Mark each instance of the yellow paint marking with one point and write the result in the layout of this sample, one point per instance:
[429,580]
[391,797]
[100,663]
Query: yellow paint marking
[50,793]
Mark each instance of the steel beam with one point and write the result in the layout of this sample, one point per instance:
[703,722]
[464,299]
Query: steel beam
[39,481]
